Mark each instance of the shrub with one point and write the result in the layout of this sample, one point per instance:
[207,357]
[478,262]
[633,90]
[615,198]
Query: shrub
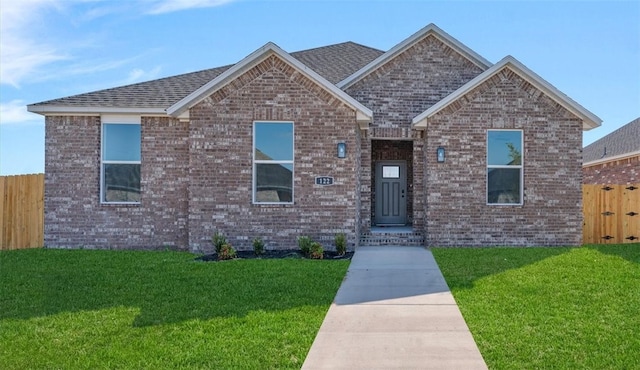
[316,251]
[304,242]
[258,246]
[227,252]
[218,240]
[341,243]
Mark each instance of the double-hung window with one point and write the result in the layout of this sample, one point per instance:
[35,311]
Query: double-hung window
[504,167]
[120,172]
[273,162]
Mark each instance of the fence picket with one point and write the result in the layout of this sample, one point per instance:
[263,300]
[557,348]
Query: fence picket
[21,211]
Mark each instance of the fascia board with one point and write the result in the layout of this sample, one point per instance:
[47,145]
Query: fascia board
[61,110]
[249,62]
[430,29]
[590,120]
[611,159]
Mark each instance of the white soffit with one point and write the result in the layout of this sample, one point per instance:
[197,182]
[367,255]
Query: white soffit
[589,119]
[55,110]
[430,29]
[364,115]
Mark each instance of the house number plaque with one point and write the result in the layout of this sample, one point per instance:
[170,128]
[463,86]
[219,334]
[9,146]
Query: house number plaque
[324,180]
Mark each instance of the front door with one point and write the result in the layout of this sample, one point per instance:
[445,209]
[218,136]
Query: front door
[391,193]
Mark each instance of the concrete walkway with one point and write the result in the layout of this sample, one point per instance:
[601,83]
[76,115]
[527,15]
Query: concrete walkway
[394,310]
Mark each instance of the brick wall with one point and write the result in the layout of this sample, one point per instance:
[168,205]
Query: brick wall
[74,217]
[621,171]
[396,92]
[456,210]
[412,82]
[221,162]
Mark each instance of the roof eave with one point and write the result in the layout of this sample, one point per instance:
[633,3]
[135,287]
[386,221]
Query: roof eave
[430,29]
[589,120]
[62,110]
[364,114]
[612,158]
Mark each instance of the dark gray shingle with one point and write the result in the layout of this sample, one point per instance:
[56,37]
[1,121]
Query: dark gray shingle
[624,140]
[333,62]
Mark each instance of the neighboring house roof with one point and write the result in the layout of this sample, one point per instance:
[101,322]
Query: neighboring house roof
[430,29]
[589,119]
[333,62]
[622,142]
[364,115]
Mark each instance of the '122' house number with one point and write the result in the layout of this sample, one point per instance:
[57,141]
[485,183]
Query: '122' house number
[324,180]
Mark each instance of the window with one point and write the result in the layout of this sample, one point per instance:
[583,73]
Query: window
[273,162]
[120,174]
[504,167]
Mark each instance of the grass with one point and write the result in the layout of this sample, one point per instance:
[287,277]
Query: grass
[125,309]
[551,308]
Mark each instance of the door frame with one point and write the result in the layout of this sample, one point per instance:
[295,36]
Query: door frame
[404,194]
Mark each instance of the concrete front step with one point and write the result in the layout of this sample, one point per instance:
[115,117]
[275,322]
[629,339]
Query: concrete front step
[374,239]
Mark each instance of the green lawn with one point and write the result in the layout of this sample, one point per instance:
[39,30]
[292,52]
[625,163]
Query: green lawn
[121,309]
[550,308]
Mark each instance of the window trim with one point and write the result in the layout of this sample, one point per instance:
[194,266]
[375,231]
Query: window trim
[118,121]
[255,161]
[520,167]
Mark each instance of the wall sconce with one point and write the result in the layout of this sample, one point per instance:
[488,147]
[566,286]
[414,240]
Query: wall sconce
[342,150]
[440,154]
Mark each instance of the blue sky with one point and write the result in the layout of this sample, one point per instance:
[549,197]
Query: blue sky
[50,49]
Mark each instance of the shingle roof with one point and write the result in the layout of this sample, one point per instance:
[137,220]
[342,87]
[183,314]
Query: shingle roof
[624,140]
[333,62]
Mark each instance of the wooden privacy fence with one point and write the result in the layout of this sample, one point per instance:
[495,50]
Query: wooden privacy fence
[611,214]
[21,211]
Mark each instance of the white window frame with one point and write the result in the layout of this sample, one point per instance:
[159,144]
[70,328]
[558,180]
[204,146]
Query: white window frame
[258,161]
[116,120]
[519,167]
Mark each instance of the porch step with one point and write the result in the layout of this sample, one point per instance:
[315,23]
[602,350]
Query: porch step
[382,238]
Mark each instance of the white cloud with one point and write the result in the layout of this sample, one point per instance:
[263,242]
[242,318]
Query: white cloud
[168,6]
[15,111]
[20,54]
[138,75]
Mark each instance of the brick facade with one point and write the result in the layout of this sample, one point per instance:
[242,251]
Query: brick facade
[621,171]
[74,216]
[197,171]
[456,209]
[221,162]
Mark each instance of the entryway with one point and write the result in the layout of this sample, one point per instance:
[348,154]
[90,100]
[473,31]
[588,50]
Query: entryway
[391,193]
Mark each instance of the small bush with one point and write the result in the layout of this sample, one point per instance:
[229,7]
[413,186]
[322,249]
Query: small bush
[227,252]
[316,251]
[304,242]
[218,240]
[258,246]
[341,244]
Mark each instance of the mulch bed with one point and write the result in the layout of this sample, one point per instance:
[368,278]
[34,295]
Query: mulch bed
[271,254]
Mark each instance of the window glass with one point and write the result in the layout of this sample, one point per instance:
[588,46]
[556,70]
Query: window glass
[273,162]
[274,141]
[503,185]
[121,142]
[274,183]
[505,148]
[504,167]
[120,163]
[121,183]
[391,172]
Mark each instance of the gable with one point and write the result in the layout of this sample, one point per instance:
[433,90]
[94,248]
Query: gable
[430,30]
[238,75]
[530,81]
[423,74]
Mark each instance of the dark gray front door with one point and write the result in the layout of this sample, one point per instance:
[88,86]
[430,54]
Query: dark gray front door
[391,193]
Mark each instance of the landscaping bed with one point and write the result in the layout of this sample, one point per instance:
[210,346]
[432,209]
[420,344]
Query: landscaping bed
[277,254]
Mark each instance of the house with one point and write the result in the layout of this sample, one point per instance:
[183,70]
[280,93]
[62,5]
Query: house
[428,137]
[615,158]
